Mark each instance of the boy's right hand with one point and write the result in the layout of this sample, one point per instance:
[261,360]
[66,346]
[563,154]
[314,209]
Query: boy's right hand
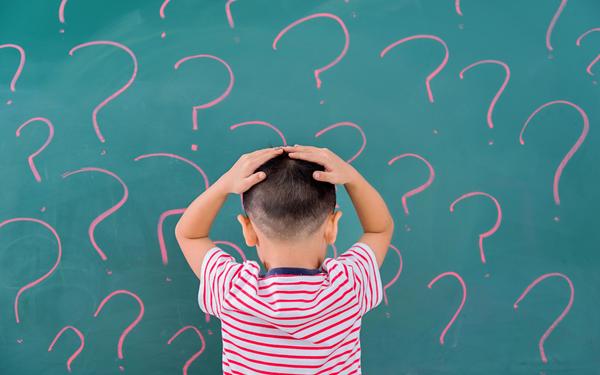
[242,175]
[337,170]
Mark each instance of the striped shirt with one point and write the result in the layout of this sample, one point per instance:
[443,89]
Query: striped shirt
[298,321]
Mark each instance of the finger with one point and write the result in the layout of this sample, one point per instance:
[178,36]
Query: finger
[255,156]
[254,179]
[263,155]
[301,148]
[264,151]
[308,156]
[323,176]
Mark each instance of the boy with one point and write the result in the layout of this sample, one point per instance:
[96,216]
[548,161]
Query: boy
[303,316]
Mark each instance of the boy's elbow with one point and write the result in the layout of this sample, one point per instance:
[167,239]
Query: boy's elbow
[390,227]
[391,224]
[178,231]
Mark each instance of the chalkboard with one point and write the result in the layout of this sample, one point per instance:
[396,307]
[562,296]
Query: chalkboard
[474,119]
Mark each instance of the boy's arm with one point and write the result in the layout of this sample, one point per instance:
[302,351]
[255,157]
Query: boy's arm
[375,218]
[372,211]
[193,227]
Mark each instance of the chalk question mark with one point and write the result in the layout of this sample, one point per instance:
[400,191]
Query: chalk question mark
[393,280]
[195,355]
[47,274]
[500,90]
[32,156]
[61,13]
[560,317]
[318,72]
[462,303]
[176,211]
[228,13]
[161,12]
[21,51]
[419,189]
[76,353]
[106,213]
[213,102]
[496,224]
[432,74]
[457,7]
[350,125]
[131,325]
[563,3]
[578,42]
[565,160]
[261,123]
[116,93]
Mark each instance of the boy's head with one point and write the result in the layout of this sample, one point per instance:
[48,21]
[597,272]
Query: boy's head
[289,204]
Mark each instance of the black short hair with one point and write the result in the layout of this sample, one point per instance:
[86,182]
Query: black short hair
[289,203]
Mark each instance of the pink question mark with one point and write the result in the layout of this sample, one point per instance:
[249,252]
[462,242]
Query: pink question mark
[420,188]
[457,7]
[462,303]
[432,74]
[393,280]
[161,12]
[21,51]
[32,156]
[565,160]
[560,317]
[262,123]
[318,72]
[552,23]
[228,13]
[61,13]
[81,345]
[214,102]
[198,353]
[578,42]
[130,326]
[47,274]
[106,213]
[351,125]
[176,211]
[500,90]
[116,93]
[496,225]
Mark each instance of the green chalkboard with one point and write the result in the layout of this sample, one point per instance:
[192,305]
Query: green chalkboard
[475,120]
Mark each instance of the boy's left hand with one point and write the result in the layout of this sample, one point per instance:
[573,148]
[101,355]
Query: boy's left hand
[241,177]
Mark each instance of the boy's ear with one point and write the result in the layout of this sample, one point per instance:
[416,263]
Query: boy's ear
[247,230]
[332,227]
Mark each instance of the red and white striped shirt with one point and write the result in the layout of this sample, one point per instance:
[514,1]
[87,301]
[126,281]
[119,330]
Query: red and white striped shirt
[291,323]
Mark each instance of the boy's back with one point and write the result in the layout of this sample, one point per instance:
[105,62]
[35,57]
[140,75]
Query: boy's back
[304,315]
[291,320]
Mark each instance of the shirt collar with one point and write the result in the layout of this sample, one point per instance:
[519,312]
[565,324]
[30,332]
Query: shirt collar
[291,271]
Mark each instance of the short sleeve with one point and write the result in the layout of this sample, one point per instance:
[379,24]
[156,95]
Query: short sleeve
[363,271]
[217,275]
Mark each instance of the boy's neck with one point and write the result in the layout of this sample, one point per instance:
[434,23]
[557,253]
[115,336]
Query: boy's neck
[273,256]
